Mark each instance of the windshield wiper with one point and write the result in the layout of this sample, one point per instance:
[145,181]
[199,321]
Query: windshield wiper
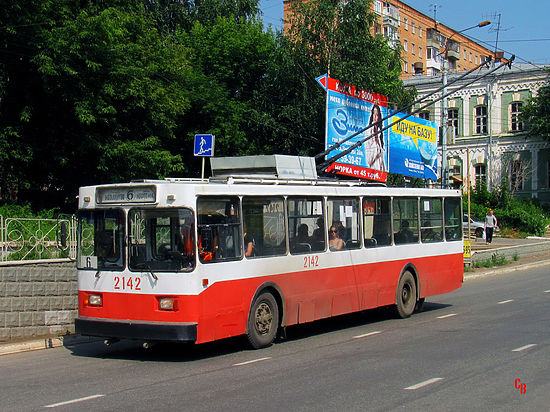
[146,266]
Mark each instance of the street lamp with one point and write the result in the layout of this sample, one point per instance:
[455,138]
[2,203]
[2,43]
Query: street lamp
[444,102]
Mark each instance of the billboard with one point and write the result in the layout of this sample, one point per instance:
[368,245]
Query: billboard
[349,110]
[413,147]
[408,148]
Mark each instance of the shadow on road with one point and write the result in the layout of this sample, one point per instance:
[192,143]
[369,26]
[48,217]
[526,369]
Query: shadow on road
[188,352]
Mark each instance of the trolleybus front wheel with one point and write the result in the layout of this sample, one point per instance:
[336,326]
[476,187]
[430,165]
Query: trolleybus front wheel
[405,301]
[263,321]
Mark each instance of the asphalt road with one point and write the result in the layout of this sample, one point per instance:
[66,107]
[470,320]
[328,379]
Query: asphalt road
[483,347]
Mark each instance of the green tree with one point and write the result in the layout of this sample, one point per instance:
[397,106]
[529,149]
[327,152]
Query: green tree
[323,36]
[88,95]
[536,114]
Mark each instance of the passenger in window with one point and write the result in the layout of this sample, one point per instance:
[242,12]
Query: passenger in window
[249,244]
[207,245]
[374,147]
[185,245]
[335,240]
[300,243]
[302,235]
[319,233]
[405,235]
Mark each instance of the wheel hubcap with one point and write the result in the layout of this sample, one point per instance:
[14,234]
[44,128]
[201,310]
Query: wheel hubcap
[406,294]
[264,318]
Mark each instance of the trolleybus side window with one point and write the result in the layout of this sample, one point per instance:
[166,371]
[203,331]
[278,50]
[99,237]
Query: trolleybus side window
[161,239]
[453,218]
[343,215]
[431,219]
[377,221]
[304,217]
[405,220]
[219,228]
[264,226]
[100,234]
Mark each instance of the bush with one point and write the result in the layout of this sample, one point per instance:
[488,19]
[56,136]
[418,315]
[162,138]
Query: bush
[512,214]
[9,210]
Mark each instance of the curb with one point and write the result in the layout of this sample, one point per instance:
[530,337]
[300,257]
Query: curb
[44,343]
[503,270]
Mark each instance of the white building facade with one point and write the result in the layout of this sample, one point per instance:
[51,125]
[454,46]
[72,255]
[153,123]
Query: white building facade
[483,124]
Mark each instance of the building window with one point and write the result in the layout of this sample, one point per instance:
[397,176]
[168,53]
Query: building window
[377,28]
[378,6]
[424,115]
[480,116]
[405,45]
[464,54]
[452,116]
[429,53]
[516,125]
[470,57]
[406,66]
[412,27]
[516,178]
[419,30]
[412,48]
[406,23]
[419,51]
[480,175]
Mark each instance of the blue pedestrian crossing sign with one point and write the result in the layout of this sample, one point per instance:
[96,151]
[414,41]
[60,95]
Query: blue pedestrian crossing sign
[204,145]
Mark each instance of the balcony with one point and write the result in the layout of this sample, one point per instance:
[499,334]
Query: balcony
[391,15]
[453,50]
[434,38]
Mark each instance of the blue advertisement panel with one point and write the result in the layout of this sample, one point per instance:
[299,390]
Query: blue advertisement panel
[348,111]
[413,147]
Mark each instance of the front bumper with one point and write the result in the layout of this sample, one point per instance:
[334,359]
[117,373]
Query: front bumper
[127,329]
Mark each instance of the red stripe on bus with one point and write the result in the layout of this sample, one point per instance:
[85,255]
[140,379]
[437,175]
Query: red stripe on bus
[221,310]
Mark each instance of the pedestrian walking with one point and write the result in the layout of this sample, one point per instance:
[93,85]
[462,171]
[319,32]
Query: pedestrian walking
[490,225]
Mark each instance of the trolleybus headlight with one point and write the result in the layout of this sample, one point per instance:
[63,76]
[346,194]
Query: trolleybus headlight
[94,300]
[167,304]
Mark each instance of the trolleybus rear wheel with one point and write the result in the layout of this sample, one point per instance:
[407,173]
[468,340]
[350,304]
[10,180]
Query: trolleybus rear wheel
[263,321]
[405,301]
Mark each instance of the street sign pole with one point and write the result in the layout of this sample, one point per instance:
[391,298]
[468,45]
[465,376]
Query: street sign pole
[204,147]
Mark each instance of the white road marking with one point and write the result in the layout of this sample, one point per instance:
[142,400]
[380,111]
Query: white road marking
[376,332]
[250,361]
[505,301]
[446,316]
[422,384]
[86,398]
[524,347]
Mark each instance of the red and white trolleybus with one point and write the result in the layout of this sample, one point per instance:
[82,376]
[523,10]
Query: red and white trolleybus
[261,245]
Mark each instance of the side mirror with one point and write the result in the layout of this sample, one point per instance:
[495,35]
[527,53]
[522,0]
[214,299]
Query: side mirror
[63,234]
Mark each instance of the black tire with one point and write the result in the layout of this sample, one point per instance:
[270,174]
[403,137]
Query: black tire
[263,321]
[405,299]
[479,232]
[419,305]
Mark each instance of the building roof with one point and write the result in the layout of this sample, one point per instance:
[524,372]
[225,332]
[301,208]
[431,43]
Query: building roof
[516,68]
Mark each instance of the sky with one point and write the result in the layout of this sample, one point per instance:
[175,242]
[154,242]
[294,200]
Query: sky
[524,25]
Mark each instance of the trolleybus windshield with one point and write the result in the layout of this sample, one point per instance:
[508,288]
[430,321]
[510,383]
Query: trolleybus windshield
[100,235]
[161,239]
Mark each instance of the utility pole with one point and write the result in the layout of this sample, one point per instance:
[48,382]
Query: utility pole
[444,181]
[444,126]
